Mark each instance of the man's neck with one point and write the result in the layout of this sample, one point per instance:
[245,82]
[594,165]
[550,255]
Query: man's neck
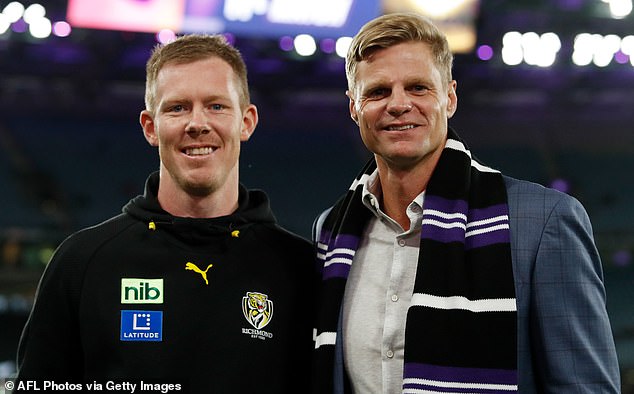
[401,186]
[178,202]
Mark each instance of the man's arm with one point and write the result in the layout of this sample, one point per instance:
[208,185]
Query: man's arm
[573,346]
[50,346]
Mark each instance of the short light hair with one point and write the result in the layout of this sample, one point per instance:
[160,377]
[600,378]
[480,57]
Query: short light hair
[392,29]
[188,49]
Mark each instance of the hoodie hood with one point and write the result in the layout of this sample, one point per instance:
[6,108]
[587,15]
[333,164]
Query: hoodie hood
[253,208]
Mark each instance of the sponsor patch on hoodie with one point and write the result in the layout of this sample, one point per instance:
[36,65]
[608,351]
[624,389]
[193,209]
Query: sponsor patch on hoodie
[141,326]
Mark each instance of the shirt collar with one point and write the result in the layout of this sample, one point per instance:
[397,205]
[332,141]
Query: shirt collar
[372,193]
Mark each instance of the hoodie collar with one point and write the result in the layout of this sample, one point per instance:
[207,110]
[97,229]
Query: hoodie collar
[253,207]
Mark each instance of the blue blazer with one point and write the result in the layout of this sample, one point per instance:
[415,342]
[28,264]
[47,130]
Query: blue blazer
[565,343]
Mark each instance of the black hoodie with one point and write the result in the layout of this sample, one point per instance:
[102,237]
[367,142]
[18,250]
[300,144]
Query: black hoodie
[216,305]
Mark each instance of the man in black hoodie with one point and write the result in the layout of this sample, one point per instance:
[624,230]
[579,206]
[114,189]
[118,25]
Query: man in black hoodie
[194,287]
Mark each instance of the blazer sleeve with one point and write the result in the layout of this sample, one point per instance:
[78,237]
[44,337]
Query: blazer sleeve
[572,344]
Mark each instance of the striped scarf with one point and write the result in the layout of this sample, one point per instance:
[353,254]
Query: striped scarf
[460,333]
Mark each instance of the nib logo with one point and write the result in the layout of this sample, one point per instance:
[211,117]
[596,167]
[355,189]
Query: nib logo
[141,291]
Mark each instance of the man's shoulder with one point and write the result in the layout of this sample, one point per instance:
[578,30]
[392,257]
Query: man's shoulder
[283,238]
[533,194]
[88,239]
[531,201]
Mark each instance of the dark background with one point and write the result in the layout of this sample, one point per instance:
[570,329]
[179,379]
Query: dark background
[72,152]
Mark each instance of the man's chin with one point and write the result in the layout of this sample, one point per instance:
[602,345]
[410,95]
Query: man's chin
[199,189]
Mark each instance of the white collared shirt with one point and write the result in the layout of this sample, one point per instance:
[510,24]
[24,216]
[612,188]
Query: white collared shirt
[378,294]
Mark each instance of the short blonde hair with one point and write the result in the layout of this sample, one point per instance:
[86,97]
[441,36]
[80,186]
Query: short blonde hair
[392,29]
[191,48]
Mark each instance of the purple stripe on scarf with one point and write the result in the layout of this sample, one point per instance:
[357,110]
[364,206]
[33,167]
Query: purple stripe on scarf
[486,213]
[460,374]
[487,238]
[436,389]
[340,270]
[445,205]
[324,237]
[440,234]
[444,235]
[345,241]
[336,271]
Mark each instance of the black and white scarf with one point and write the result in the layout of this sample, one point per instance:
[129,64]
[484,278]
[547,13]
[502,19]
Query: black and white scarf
[461,328]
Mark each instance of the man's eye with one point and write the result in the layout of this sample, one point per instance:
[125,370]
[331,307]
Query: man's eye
[378,92]
[177,108]
[420,88]
[217,107]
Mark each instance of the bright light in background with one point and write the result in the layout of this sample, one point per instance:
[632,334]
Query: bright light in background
[604,54]
[441,8]
[4,23]
[619,8]
[512,53]
[550,46]
[13,11]
[33,13]
[600,50]
[61,29]
[165,36]
[328,13]
[627,47]
[455,18]
[327,45]
[32,19]
[620,57]
[305,45]
[40,28]
[584,47]
[531,48]
[342,46]
[286,43]
[560,184]
[244,11]
[485,52]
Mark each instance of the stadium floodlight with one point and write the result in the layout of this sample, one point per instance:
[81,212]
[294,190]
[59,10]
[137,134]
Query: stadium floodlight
[585,45]
[620,8]
[342,46]
[627,45]
[41,28]
[4,23]
[13,11]
[512,53]
[531,48]
[34,12]
[305,45]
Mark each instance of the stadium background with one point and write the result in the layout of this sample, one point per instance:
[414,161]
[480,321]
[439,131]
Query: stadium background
[72,152]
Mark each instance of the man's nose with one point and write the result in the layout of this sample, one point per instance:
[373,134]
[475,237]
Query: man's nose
[198,123]
[399,103]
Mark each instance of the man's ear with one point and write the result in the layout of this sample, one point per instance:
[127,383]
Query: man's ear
[249,122]
[149,131]
[352,107]
[452,99]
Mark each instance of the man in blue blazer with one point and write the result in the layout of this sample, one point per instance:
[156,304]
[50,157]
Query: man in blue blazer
[436,272]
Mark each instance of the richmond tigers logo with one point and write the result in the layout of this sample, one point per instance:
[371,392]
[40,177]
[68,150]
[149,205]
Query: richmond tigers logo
[257,309]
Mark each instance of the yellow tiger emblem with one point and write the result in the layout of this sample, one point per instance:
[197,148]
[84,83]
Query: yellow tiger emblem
[257,309]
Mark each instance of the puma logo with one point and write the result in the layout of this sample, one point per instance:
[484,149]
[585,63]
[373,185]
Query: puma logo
[192,267]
